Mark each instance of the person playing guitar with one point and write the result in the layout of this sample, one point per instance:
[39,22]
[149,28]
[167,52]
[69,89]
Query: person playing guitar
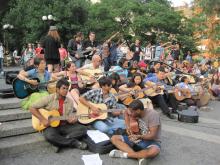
[103,95]
[40,73]
[146,143]
[89,71]
[158,98]
[75,81]
[75,45]
[186,90]
[135,85]
[69,131]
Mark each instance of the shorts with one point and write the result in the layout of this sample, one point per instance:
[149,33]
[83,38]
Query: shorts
[143,144]
[52,61]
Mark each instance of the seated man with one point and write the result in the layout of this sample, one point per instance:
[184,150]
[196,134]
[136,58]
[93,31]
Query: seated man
[68,132]
[157,98]
[103,95]
[146,143]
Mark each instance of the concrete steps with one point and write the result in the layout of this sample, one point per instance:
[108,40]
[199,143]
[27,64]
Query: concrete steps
[9,103]
[22,143]
[16,132]
[14,114]
[17,127]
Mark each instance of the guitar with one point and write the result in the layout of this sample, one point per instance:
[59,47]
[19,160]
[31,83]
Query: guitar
[84,110]
[154,90]
[128,97]
[182,94]
[53,116]
[82,54]
[23,89]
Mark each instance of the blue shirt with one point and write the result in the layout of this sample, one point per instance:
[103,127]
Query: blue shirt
[120,71]
[183,85]
[33,73]
[153,78]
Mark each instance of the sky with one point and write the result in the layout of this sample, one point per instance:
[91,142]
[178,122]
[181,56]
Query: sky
[180,2]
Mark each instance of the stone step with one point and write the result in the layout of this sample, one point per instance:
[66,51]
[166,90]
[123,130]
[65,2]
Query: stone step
[13,128]
[22,143]
[10,103]
[14,114]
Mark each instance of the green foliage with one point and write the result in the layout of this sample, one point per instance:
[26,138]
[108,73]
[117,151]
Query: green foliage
[134,17]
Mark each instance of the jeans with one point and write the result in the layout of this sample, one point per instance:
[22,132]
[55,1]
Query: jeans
[143,144]
[1,64]
[109,125]
[65,135]
[79,63]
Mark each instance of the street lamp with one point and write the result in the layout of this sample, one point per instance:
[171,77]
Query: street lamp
[50,18]
[6,27]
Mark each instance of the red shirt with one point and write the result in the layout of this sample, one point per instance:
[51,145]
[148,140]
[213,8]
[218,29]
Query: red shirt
[61,101]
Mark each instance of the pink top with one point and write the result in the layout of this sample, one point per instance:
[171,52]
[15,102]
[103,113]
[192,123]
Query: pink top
[63,53]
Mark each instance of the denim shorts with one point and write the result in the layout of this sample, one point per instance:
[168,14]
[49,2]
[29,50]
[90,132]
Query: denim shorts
[143,144]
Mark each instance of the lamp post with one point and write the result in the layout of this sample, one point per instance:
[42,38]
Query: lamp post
[6,28]
[50,19]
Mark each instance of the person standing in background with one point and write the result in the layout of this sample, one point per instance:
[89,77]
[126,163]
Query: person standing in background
[63,55]
[1,57]
[51,46]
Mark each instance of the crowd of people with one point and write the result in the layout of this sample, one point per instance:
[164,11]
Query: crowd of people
[132,79]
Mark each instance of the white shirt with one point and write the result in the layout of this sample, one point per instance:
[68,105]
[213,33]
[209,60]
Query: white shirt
[1,52]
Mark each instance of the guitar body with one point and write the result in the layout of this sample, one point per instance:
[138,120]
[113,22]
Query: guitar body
[97,73]
[37,125]
[183,94]
[23,89]
[114,92]
[127,97]
[83,110]
[134,125]
[152,92]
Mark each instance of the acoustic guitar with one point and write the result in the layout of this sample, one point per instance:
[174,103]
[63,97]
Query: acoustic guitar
[91,117]
[154,90]
[22,89]
[128,97]
[182,94]
[53,116]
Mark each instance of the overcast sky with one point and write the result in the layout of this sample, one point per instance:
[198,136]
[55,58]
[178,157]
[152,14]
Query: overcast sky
[180,2]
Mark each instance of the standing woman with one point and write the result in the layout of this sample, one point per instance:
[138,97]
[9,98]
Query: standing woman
[51,45]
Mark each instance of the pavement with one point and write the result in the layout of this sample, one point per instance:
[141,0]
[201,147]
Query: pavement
[182,144]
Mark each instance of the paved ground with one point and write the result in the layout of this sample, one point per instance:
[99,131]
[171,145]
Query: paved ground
[182,144]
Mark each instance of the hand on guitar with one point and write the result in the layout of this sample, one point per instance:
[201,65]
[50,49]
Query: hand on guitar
[33,82]
[45,122]
[95,110]
[128,130]
[134,137]
[72,119]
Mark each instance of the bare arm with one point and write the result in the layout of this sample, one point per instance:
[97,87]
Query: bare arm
[151,134]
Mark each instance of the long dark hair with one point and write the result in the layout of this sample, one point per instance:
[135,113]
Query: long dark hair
[215,81]
[132,83]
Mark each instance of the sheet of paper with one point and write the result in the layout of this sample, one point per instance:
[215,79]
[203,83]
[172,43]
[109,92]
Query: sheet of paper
[97,136]
[93,159]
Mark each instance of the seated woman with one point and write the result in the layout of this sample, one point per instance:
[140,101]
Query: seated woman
[42,74]
[134,91]
[75,81]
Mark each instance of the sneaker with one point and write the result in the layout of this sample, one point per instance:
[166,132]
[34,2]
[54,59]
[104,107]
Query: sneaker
[143,161]
[81,145]
[117,154]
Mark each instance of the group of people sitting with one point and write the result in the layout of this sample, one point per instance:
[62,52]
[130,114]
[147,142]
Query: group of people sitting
[129,89]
